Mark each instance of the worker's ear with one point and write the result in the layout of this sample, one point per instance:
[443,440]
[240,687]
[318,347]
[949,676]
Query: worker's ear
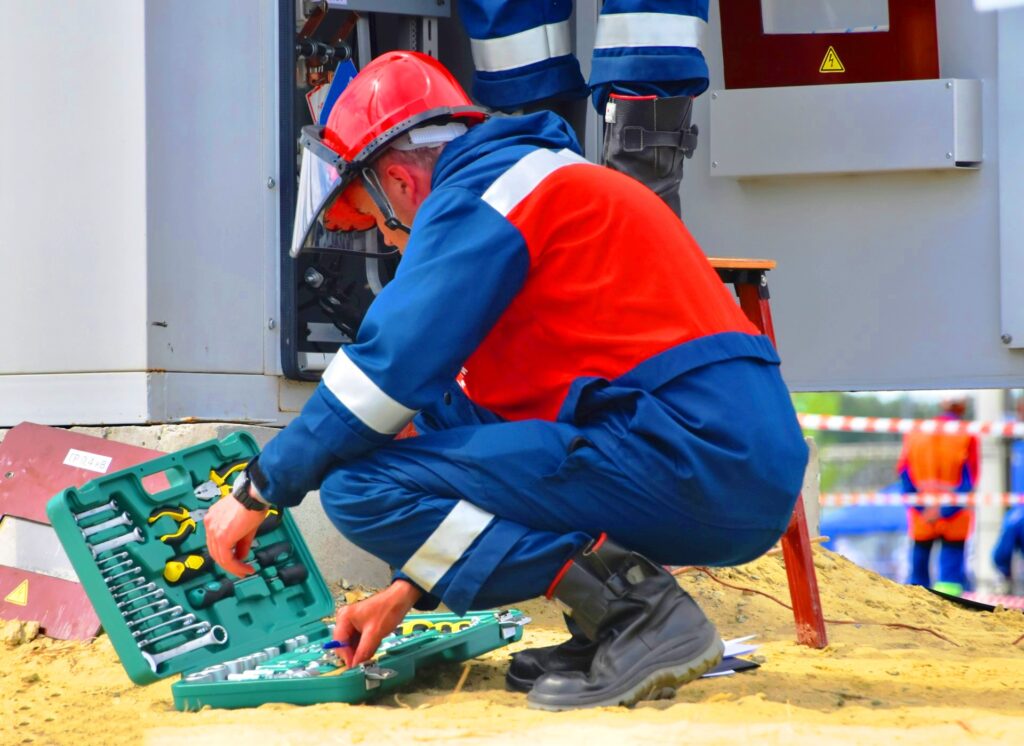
[403,181]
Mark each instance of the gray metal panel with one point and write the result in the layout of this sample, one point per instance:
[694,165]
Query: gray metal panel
[1011,174]
[72,187]
[885,281]
[207,190]
[822,129]
[437,8]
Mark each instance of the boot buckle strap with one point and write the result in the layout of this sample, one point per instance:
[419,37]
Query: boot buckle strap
[635,139]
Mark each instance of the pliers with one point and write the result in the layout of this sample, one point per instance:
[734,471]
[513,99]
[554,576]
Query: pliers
[185,518]
[219,483]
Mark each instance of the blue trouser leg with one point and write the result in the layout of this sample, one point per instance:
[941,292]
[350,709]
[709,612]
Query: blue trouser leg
[486,515]
[951,563]
[920,555]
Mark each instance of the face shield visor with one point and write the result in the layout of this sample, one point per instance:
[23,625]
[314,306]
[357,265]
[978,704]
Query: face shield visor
[325,218]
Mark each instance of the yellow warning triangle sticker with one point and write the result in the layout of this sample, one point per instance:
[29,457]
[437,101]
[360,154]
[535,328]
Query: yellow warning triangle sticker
[19,596]
[831,63]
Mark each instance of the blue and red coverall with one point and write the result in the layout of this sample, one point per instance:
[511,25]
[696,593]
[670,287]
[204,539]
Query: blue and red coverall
[938,462]
[611,384]
[522,50]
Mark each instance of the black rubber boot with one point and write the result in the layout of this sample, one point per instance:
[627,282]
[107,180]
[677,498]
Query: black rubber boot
[651,635]
[528,665]
[648,139]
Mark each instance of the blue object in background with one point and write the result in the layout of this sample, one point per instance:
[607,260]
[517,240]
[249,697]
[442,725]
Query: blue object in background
[342,75]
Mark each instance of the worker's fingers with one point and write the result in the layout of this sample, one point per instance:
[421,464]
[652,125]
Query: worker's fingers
[369,639]
[346,632]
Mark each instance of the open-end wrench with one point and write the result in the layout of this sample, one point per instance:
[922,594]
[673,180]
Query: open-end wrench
[111,558]
[123,585]
[122,520]
[120,541]
[216,636]
[110,506]
[199,627]
[130,571]
[186,619]
[159,603]
[145,587]
[174,610]
[105,571]
[129,601]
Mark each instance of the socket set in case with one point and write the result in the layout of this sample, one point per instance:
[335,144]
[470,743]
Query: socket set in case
[237,642]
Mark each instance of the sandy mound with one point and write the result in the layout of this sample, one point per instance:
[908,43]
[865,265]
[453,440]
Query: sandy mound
[871,683]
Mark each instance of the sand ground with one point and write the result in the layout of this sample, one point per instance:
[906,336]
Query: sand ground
[872,684]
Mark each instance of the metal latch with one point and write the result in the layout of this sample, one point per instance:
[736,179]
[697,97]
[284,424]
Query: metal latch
[509,621]
[374,674]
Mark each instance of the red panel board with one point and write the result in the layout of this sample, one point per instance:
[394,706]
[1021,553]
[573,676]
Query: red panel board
[37,462]
[61,607]
[909,50]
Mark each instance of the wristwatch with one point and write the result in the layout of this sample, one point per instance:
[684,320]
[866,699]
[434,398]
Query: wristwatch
[241,492]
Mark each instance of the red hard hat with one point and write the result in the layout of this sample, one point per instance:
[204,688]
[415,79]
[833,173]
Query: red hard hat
[394,93]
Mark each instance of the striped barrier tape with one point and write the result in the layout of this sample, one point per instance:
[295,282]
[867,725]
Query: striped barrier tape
[846,424]
[993,599]
[927,499]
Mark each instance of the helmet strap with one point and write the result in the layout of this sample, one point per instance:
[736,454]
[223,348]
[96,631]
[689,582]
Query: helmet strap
[376,192]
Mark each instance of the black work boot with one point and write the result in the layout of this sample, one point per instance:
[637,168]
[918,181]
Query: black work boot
[651,635]
[648,139]
[528,665]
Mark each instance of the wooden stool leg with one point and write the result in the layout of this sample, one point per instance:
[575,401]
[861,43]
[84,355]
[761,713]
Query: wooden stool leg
[796,544]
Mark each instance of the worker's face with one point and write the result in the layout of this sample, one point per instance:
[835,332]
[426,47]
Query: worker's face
[406,187]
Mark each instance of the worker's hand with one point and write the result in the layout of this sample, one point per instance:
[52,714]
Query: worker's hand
[230,530]
[362,625]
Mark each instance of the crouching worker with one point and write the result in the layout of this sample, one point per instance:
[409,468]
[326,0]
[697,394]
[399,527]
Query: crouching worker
[615,410]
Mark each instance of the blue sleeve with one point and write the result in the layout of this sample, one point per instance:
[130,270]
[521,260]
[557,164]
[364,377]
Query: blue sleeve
[463,265]
[522,51]
[650,47]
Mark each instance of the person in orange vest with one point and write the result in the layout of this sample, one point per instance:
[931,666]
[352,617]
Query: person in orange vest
[939,462]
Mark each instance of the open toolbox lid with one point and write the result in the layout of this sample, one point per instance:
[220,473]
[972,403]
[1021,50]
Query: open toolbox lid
[278,601]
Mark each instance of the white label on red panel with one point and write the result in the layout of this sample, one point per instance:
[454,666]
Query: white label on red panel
[90,461]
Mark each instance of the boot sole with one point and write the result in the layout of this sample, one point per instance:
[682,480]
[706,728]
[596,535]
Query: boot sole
[660,683]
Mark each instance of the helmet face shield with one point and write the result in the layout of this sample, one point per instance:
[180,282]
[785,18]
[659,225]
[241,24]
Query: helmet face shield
[324,217]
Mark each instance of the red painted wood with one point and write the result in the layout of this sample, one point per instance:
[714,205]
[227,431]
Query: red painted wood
[754,59]
[61,607]
[32,470]
[796,544]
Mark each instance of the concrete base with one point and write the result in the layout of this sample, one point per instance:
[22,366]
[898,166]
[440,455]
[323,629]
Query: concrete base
[337,558]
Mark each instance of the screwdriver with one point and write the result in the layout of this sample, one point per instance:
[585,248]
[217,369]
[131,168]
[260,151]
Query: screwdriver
[187,566]
[211,593]
[274,553]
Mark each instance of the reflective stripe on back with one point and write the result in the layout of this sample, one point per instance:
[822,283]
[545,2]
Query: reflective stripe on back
[513,186]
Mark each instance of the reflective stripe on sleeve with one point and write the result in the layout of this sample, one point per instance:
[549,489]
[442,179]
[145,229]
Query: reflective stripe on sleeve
[447,544]
[525,48]
[649,30]
[513,186]
[365,399]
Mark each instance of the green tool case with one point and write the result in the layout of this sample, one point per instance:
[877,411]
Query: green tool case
[136,540]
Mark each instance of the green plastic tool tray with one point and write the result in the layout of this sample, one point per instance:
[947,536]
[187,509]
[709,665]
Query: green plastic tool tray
[246,629]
